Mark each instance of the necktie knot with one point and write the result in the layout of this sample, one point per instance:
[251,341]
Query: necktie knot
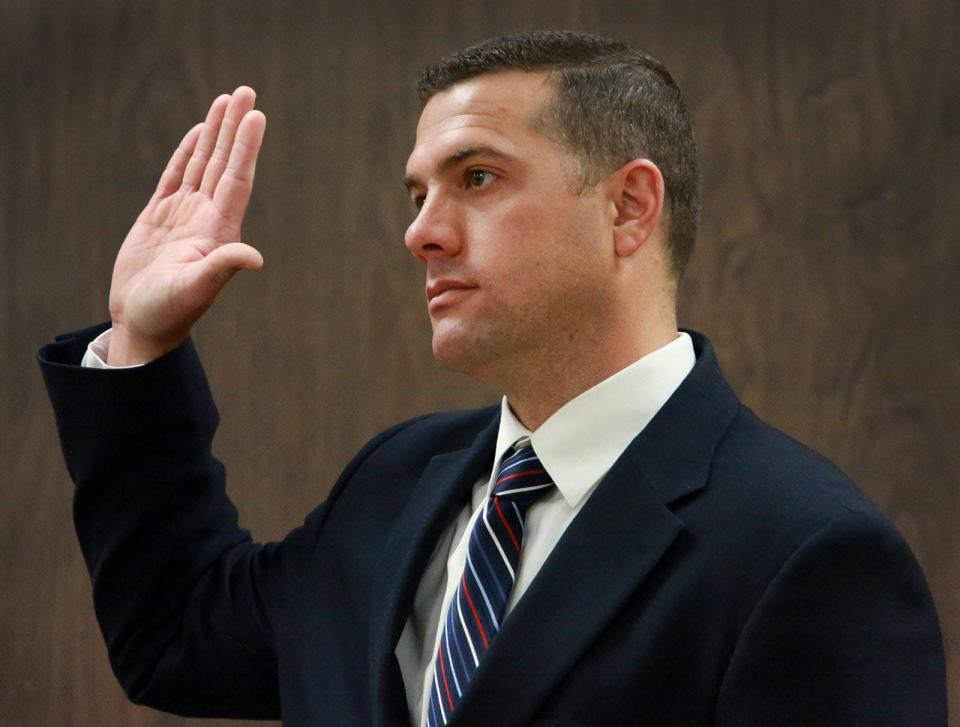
[522,478]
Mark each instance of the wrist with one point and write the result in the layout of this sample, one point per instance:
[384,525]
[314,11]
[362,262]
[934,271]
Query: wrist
[128,349]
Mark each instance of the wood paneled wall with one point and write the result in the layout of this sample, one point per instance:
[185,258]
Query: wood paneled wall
[826,272]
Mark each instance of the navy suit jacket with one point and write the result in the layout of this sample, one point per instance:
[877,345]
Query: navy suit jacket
[721,573]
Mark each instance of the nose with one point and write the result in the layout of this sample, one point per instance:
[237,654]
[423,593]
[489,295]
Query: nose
[435,232]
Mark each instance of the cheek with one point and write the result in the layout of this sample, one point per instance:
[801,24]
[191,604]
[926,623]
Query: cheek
[523,233]
[539,245]
[535,217]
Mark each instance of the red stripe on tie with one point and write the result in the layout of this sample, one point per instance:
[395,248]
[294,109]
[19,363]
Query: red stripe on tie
[516,543]
[443,673]
[476,616]
[521,474]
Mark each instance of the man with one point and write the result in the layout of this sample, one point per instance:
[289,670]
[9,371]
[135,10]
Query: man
[620,542]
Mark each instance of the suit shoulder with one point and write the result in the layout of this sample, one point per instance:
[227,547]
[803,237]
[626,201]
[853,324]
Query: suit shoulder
[785,476]
[777,505]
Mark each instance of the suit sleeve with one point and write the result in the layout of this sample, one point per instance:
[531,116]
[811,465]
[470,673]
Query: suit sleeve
[190,608]
[845,634]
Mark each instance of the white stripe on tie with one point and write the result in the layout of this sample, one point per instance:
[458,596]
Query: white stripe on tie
[496,542]
[514,464]
[524,489]
[466,632]
[453,669]
[483,592]
[436,683]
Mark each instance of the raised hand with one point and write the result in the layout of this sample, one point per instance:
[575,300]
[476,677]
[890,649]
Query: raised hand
[185,246]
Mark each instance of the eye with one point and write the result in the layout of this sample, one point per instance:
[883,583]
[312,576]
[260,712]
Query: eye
[419,200]
[477,178]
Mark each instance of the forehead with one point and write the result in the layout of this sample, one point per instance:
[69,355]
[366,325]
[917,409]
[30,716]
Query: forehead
[496,109]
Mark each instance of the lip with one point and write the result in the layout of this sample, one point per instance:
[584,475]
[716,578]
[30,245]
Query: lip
[445,291]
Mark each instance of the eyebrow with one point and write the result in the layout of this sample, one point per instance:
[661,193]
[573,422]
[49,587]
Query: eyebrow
[456,158]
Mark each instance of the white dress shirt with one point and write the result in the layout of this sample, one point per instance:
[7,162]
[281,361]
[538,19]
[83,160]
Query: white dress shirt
[577,445]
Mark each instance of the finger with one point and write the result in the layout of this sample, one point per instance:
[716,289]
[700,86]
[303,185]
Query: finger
[236,183]
[208,137]
[241,102]
[173,174]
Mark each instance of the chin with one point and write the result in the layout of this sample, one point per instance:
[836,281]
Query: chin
[452,355]
[459,349]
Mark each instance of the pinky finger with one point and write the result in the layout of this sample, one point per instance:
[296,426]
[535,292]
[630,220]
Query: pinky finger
[173,174]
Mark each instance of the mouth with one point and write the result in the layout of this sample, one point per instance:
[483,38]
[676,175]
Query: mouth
[445,292]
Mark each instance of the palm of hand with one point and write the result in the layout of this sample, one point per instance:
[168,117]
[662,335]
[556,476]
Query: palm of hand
[154,279]
[184,245]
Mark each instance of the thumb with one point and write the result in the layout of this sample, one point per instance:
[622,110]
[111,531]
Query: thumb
[223,263]
[236,256]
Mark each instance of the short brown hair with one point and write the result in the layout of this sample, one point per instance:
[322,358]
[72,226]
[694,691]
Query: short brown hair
[613,104]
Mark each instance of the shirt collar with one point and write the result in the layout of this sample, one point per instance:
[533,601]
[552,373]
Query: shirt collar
[581,441]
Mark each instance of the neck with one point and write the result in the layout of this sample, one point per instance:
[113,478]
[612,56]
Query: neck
[565,373]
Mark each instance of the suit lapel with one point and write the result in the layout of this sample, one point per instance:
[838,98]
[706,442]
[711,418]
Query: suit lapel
[606,553]
[440,493]
[581,585]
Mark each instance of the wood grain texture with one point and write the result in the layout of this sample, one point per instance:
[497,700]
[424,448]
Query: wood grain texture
[826,271]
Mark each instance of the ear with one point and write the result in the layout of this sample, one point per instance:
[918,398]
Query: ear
[638,194]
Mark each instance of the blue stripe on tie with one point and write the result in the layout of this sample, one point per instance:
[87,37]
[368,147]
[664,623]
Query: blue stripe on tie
[453,670]
[498,550]
[519,516]
[465,663]
[502,592]
[434,719]
[483,592]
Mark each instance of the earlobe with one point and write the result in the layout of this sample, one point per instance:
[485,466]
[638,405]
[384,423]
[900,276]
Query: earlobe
[627,239]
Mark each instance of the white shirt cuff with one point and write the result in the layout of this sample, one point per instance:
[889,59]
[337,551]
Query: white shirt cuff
[96,355]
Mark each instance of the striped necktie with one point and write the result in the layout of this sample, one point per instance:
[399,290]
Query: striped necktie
[493,554]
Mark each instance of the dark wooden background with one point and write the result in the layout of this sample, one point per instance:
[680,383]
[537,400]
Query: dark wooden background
[826,273]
